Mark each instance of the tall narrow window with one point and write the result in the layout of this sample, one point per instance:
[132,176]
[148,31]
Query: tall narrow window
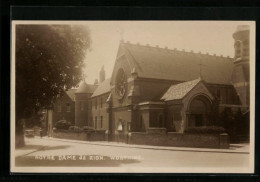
[101,121]
[96,103]
[96,122]
[101,102]
[68,107]
[82,106]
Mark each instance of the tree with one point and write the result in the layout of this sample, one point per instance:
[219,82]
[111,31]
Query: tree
[49,59]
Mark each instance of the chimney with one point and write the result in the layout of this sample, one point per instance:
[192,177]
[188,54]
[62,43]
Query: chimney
[96,82]
[102,74]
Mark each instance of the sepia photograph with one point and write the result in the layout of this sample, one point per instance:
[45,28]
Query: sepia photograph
[132,96]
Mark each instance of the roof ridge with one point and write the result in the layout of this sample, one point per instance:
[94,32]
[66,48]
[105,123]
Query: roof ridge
[176,50]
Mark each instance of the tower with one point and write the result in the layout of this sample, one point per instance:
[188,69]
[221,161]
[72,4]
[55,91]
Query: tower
[240,75]
[102,75]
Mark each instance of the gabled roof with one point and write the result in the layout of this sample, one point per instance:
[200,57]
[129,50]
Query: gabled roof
[180,90]
[71,94]
[162,63]
[86,88]
[102,88]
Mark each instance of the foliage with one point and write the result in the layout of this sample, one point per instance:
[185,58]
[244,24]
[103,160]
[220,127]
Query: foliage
[48,59]
[205,130]
[62,124]
[34,120]
[75,128]
[88,128]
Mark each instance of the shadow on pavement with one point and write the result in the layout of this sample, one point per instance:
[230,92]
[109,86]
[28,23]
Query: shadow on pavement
[30,147]
[77,161]
[43,147]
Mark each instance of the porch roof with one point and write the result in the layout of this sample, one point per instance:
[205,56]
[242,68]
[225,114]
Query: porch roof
[178,91]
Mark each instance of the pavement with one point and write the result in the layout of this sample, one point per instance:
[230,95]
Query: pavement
[242,148]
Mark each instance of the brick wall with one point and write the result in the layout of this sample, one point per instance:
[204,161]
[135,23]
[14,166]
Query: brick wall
[180,140]
[81,135]
[71,135]
[99,110]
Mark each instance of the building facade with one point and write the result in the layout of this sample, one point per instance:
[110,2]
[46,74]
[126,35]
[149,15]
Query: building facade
[82,99]
[64,107]
[154,87]
[99,107]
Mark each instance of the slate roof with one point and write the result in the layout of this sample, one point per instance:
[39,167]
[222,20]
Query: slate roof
[86,88]
[178,91]
[71,94]
[162,63]
[102,88]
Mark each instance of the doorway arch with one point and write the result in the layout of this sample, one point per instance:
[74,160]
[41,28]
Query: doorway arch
[199,110]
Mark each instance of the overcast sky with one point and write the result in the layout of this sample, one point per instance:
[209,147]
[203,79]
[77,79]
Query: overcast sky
[214,37]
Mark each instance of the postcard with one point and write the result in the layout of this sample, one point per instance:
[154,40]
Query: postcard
[132,96]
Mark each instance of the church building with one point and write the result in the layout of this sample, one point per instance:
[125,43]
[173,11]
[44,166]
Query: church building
[155,88]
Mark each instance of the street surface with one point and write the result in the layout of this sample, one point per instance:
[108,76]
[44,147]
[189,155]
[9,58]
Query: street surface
[50,152]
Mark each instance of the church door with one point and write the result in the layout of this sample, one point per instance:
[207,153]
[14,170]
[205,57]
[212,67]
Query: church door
[199,109]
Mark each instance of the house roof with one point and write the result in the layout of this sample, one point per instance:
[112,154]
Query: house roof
[163,63]
[86,88]
[102,88]
[180,90]
[71,94]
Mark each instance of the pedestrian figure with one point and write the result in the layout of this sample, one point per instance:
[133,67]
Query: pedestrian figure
[41,133]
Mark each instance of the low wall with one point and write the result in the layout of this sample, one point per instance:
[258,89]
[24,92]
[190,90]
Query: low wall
[157,139]
[71,135]
[96,136]
[80,135]
[121,137]
[180,140]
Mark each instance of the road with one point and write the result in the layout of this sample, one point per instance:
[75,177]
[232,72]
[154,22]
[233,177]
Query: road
[47,152]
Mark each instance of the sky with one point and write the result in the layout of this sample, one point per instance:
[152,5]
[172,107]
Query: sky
[214,37]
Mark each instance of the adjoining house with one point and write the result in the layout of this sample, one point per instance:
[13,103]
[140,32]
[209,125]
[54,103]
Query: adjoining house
[64,107]
[155,89]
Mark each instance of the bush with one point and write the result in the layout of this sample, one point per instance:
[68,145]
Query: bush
[62,124]
[205,130]
[75,128]
[88,128]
